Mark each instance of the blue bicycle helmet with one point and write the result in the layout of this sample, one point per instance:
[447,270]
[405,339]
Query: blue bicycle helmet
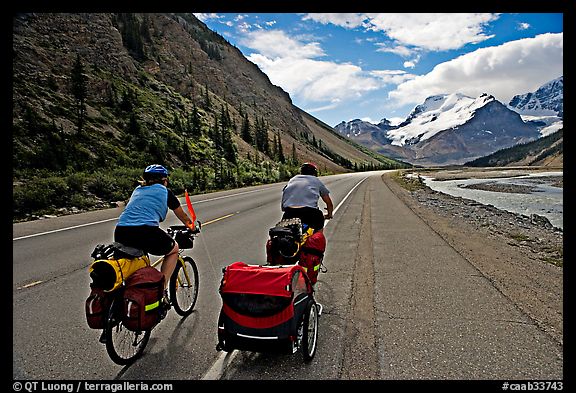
[155,171]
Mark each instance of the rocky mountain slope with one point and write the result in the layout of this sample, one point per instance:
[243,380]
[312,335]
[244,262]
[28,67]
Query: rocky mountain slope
[145,77]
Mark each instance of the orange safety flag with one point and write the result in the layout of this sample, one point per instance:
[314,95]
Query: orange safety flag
[190,208]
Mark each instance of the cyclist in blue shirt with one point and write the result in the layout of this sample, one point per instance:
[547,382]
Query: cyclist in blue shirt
[139,224]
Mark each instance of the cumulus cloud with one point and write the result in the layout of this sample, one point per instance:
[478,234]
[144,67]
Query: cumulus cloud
[393,77]
[399,50]
[343,20]
[316,81]
[276,44]
[523,26]
[429,31]
[503,71]
[292,64]
[433,31]
[206,16]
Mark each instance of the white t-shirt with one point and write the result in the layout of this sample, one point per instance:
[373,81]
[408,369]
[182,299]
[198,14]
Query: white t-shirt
[303,191]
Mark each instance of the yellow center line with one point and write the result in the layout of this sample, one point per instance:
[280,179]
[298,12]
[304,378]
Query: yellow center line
[30,285]
[218,219]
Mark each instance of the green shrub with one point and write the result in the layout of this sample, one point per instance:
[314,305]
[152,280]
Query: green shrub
[102,185]
[76,181]
[82,201]
[39,195]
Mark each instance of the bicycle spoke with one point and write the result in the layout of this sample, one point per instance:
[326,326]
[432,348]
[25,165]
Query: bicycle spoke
[184,286]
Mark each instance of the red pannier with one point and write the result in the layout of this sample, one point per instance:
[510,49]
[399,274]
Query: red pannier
[142,296]
[309,256]
[262,307]
[97,306]
[312,254]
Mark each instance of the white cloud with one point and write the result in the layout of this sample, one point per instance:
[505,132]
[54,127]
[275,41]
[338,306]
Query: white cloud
[291,64]
[512,68]
[430,31]
[344,20]
[276,44]
[328,107]
[316,81]
[400,50]
[523,26]
[204,17]
[393,77]
[433,31]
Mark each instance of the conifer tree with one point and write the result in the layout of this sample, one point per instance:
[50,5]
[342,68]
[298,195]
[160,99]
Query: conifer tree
[294,156]
[280,150]
[195,127]
[245,132]
[207,103]
[80,92]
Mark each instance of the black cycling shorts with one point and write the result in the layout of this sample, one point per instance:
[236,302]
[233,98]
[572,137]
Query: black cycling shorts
[310,216]
[152,240]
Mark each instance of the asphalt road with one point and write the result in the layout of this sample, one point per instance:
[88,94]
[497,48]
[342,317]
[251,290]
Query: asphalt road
[399,303]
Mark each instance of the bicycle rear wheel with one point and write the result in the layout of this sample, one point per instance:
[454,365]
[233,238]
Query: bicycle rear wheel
[183,286]
[123,345]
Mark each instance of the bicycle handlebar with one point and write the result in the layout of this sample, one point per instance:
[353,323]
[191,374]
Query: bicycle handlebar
[183,228]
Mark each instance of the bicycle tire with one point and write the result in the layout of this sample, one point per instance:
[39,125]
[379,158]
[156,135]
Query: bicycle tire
[310,331]
[183,286]
[123,346]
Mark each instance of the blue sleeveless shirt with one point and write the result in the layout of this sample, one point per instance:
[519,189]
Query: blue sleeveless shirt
[148,205]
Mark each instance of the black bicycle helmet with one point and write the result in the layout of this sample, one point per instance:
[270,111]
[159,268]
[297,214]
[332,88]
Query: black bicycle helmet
[309,168]
[155,171]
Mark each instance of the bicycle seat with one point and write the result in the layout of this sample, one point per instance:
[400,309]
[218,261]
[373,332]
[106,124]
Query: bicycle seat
[115,251]
[129,252]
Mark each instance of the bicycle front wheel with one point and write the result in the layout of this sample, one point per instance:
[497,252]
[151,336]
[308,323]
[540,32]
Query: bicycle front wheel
[123,345]
[183,286]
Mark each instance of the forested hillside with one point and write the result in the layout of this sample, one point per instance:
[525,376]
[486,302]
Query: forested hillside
[546,151]
[97,97]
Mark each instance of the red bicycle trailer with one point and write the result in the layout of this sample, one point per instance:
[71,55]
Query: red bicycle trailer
[267,309]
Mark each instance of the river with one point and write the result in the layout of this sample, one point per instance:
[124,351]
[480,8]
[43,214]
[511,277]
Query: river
[538,193]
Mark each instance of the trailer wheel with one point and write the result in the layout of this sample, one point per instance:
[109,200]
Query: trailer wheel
[310,331]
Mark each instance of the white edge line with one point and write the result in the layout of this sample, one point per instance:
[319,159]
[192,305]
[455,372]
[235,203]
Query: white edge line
[225,358]
[64,229]
[346,197]
[217,369]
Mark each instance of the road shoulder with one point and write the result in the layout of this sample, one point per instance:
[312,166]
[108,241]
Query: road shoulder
[533,285]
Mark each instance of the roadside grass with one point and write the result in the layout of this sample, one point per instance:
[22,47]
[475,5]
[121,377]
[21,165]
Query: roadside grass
[520,237]
[554,261]
[408,180]
[555,254]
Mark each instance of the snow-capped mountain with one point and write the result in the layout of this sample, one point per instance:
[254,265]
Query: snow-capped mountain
[365,133]
[436,114]
[544,107]
[451,129]
[546,101]
[357,127]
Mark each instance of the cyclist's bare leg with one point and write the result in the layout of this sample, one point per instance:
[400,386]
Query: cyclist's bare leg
[169,264]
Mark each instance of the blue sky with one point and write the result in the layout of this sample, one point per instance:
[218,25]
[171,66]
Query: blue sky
[339,66]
